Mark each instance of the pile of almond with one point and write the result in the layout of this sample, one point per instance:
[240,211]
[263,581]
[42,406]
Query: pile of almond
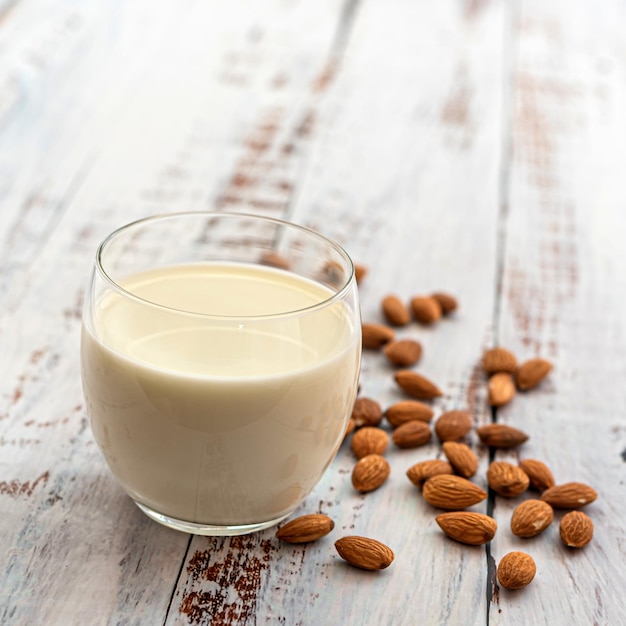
[446,483]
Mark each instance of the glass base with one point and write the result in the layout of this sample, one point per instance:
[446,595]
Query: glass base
[207,529]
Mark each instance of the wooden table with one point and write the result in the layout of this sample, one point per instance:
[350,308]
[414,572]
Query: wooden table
[473,146]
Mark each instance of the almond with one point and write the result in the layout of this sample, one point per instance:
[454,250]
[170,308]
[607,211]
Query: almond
[569,495]
[359,272]
[369,440]
[501,389]
[461,457]
[426,309]
[350,426]
[447,302]
[501,436]
[274,260]
[453,425]
[305,528]
[499,360]
[364,553]
[531,517]
[366,412]
[375,336]
[468,527]
[408,411]
[370,473]
[416,385]
[576,529]
[516,570]
[404,352]
[395,311]
[531,373]
[419,473]
[539,473]
[452,492]
[506,479]
[411,434]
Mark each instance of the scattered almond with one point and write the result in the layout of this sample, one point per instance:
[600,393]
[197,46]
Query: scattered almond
[416,385]
[305,528]
[404,352]
[350,426]
[501,435]
[516,570]
[532,372]
[426,309]
[419,473]
[576,529]
[375,336]
[395,311]
[506,479]
[447,302]
[501,389]
[531,517]
[359,272]
[366,412]
[369,440]
[408,411]
[474,529]
[569,495]
[411,434]
[364,553]
[452,492]
[273,259]
[539,473]
[453,425]
[370,472]
[461,457]
[499,360]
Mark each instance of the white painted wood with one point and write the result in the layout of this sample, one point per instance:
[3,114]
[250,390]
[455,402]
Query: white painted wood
[385,126]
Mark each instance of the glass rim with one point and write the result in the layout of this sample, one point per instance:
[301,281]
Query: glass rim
[336,296]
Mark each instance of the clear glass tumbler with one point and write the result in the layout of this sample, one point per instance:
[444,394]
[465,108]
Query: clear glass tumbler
[220,356]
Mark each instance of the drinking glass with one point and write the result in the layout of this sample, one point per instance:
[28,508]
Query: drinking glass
[220,356]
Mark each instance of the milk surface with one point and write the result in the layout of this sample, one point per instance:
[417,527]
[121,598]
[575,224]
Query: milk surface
[208,408]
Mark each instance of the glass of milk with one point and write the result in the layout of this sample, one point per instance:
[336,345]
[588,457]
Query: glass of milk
[220,355]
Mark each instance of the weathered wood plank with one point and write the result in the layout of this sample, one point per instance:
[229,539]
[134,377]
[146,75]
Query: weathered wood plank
[563,298]
[406,178]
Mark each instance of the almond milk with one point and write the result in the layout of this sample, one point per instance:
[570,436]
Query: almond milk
[209,408]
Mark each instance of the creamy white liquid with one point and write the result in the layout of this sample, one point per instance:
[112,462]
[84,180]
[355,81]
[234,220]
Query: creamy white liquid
[219,420]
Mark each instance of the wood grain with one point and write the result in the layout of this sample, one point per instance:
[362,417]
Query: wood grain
[472,147]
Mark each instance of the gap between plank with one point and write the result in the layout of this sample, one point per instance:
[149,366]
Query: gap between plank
[180,573]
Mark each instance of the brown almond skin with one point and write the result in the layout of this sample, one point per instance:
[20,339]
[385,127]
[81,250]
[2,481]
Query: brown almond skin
[501,436]
[364,553]
[506,479]
[306,528]
[426,310]
[369,440]
[499,360]
[516,570]
[411,434]
[419,473]
[500,389]
[360,272]
[452,492]
[474,529]
[408,411]
[350,426]
[539,473]
[531,517]
[576,529]
[366,412]
[370,473]
[273,259]
[403,352]
[461,457]
[395,311]
[571,495]
[416,385]
[453,425]
[531,373]
[447,302]
[375,336]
